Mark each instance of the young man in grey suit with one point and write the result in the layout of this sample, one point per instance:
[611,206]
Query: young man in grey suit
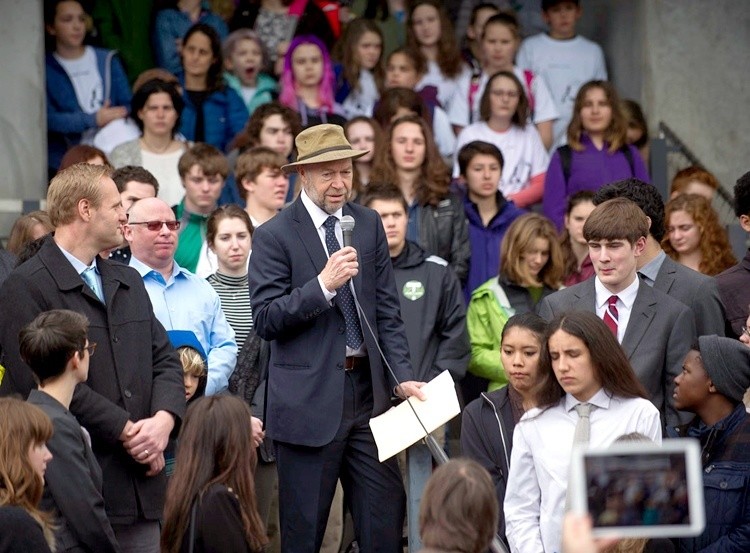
[696,290]
[326,377]
[654,330]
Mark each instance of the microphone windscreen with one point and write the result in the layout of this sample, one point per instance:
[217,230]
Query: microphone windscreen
[347,223]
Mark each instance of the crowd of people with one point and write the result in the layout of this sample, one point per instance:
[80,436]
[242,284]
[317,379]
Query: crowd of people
[194,337]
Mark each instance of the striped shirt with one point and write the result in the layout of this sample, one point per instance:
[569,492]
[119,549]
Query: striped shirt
[235,302]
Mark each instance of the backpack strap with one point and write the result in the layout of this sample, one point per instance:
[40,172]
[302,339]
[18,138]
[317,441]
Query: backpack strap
[566,156]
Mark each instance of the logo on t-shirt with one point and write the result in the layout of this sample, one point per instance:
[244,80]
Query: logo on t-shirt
[413,290]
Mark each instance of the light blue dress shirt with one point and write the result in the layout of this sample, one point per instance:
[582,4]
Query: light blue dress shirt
[188,302]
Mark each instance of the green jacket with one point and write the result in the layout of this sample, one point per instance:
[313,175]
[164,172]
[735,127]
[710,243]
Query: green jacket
[485,319]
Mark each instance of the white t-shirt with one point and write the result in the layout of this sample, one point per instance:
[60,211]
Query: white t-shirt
[565,66]
[87,81]
[247,93]
[523,152]
[362,101]
[447,88]
[544,105]
[164,168]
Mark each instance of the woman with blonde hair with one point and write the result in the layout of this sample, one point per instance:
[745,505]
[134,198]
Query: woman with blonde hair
[597,152]
[24,431]
[695,237]
[531,268]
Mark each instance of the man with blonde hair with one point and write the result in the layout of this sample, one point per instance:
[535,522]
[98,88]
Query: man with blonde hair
[134,396]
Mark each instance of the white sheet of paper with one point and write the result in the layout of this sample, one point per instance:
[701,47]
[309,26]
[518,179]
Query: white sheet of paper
[398,428]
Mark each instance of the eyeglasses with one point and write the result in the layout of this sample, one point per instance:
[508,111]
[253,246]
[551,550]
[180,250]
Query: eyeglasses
[91,348]
[153,226]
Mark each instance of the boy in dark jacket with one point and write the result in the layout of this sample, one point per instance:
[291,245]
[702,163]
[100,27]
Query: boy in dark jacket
[711,385]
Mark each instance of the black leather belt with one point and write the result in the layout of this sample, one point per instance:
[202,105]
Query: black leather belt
[356,363]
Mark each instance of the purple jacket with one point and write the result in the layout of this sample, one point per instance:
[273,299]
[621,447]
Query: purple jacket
[590,169]
[485,241]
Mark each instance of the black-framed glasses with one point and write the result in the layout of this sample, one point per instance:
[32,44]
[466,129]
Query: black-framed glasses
[91,348]
[156,225]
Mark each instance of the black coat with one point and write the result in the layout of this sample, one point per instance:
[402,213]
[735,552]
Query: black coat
[444,231]
[134,373]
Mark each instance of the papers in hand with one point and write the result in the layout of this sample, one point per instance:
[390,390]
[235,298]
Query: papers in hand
[398,428]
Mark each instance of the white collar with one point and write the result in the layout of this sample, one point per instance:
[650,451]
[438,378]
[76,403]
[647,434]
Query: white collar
[626,296]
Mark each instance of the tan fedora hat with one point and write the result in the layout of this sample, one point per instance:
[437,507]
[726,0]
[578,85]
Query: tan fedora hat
[322,143]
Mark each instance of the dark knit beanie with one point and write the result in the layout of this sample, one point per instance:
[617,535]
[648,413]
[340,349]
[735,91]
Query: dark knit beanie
[727,363]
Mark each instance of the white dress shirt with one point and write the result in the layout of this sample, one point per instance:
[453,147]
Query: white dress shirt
[540,462]
[625,300]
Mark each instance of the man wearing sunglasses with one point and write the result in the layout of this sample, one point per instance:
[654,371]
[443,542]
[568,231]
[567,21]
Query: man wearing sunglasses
[135,395]
[180,299]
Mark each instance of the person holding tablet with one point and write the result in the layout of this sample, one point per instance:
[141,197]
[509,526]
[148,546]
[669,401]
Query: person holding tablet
[593,399]
[713,380]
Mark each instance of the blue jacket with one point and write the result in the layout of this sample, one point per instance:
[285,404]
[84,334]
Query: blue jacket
[224,112]
[66,121]
[484,263]
[267,89]
[726,484]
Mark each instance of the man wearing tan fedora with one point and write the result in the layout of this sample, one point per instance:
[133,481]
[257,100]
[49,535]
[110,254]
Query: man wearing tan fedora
[326,378]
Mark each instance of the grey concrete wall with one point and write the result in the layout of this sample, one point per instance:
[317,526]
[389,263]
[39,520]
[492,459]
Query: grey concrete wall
[23,147]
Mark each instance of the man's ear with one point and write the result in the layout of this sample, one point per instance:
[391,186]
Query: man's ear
[745,222]
[639,246]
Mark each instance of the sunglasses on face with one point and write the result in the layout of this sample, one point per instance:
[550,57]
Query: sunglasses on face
[156,225]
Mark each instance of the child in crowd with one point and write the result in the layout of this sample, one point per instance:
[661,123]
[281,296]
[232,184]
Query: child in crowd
[307,82]
[695,237]
[86,87]
[694,180]
[429,29]
[501,37]
[564,58]
[578,266]
[589,390]
[214,113]
[55,346]
[24,432]
[363,133]
[203,170]
[597,152]
[361,80]
[530,270]
[244,60]
[194,370]
[714,378]
[489,214]
[504,122]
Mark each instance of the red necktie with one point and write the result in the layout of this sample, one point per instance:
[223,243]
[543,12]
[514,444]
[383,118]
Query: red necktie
[611,315]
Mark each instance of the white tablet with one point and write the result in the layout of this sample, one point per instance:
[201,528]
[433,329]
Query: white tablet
[640,489]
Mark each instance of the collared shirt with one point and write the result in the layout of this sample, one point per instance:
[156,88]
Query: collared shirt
[651,269]
[319,217]
[81,267]
[188,302]
[540,462]
[625,300]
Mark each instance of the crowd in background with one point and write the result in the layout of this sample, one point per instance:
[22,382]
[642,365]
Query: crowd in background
[533,260]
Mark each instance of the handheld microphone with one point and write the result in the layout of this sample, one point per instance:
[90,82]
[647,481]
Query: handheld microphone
[347,227]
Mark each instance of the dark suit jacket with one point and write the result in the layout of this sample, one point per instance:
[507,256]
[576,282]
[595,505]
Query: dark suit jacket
[134,373]
[73,484]
[734,286]
[659,335]
[696,290]
[308,340]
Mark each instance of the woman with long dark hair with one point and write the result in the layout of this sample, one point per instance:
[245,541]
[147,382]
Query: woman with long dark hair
[437,221]
[214,113]
[590,396]
[210,504]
